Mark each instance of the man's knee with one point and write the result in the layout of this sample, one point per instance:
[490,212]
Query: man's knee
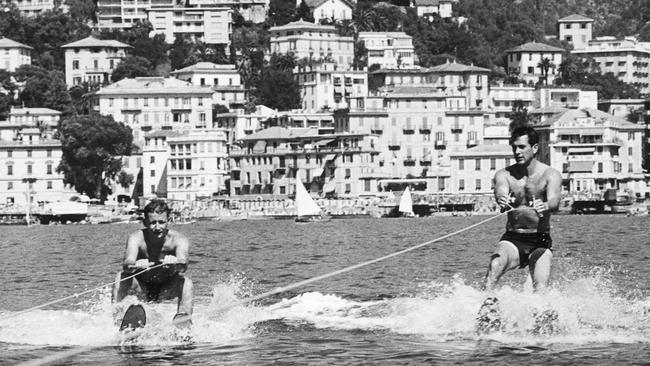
[497,263]
[540,253]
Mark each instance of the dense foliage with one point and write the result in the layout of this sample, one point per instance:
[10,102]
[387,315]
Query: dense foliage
[91,147]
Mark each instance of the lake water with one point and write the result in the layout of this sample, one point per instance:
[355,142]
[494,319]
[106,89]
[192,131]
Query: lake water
[419,307]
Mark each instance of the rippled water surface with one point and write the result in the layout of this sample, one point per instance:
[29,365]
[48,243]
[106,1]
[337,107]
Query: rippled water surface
[419,307]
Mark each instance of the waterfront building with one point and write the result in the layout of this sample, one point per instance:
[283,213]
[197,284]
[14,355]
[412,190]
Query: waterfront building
[185,165]
[329,10]
[270,162]
[132,165]
[208,25]
[224,80]
[92,60]
[523,62]
[251,10]
[417,128]
[626,58]
[29,169]
[14,54]
[153,103]
[576,30]
[430,9]
[389,49]
[30,8]
[472,170]
[123,14]
[594,151]
[311,41]
[327,87]
[239,124]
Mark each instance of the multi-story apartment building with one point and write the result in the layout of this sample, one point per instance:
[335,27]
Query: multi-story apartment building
[92,60]
[389,49]
[450,78]
[313,42]
[569,98]
[626,58]
[122,14]
[224,80]
[153,103]
[29,169]
[35,7]
[208,25]
[14,54]
[239,124]
[430,9]
[328,87]
[472,170]
[575,29]
[322,121]
[272,160]
[502,98]
[337,10]
[44,119]
[523,62]
[594,151]
[624,108]
[251,10]
[418,127]
[185,165]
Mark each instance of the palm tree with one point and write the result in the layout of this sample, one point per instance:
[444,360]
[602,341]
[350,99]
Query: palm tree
[545,64]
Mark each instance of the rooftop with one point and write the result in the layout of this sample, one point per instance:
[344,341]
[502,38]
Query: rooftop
[153,84]
[207,67]
[301,24]
[535,47]
[575,18]
[9,43]
[280,133]
[92,42]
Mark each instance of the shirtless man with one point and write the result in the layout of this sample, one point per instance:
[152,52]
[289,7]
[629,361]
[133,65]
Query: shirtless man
[532,188]
[151,246]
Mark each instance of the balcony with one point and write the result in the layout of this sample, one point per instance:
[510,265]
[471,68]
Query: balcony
[408,130]
[456,129]
[409,161]
[440,144]
[394,145]
[425,129]
[471,142]
[378,130]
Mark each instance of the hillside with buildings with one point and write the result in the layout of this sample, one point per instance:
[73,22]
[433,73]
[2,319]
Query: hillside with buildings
[229,106]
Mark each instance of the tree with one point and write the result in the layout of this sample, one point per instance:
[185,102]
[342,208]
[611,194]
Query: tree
[303,12]
[180,52]
[544,65]
[43,88]
[132,67]
[91,147]
[79,95]
[273,80]
[125,179]
[82,10]
[280,12]
[519,115]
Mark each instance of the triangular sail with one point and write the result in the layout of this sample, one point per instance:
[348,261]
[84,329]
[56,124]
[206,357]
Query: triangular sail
[406,202]
[305,205]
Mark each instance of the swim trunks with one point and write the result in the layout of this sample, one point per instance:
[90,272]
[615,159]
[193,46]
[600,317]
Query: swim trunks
[527,243]
[152,282]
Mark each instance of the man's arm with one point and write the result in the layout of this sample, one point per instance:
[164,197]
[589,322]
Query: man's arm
[502,189]
[182,252]
[553,190]
[131,253]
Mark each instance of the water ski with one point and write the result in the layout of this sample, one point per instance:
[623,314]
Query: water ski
[134,317]
[489,316]
[182,320]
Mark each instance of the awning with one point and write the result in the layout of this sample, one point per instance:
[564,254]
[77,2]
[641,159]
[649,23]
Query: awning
[581,150]
[317,172]
[329,187]
[581,166]
[259,147]
[329,157]
[323,142]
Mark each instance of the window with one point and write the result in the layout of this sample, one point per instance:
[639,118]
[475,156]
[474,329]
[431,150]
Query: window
[152,159]
[9,153]
[600,167]
[478,184]
[29,169]
[10,186]
[29,153]
[75,65]
[461,184]
[153,189]
[49,169]
[153,173]
[478,164]
[461,164]
[493,164]
[49,184]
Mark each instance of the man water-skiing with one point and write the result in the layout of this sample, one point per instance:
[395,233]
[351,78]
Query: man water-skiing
[533,189]
[154,245]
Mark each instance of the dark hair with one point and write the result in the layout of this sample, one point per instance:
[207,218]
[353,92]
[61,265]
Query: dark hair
[533,138]
[157,205]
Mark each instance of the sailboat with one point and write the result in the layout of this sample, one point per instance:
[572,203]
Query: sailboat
[406,204]
[308,210]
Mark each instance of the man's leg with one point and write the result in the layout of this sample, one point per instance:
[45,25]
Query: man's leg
[183,288]
[540,268]
[505,258]
[121,288]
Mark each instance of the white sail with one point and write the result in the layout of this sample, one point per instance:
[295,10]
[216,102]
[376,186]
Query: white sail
[406,202]
[305,205]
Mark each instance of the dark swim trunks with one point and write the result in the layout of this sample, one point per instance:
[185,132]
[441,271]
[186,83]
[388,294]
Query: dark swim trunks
[527,243]
[152,282]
